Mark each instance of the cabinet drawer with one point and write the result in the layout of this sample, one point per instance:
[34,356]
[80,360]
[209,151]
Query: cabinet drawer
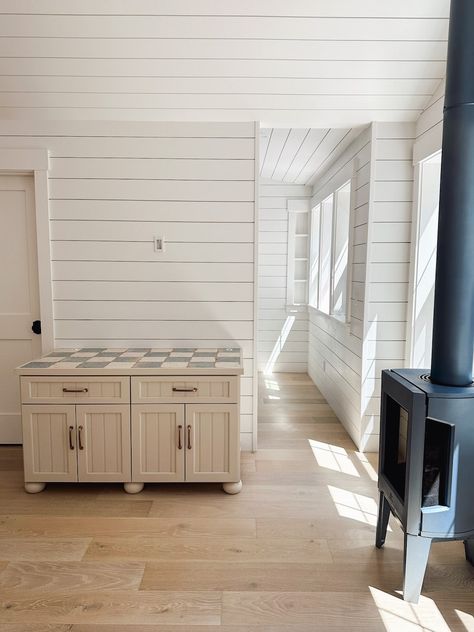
[71,390]
[179,389]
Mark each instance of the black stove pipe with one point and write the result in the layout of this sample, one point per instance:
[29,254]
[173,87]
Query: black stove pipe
[453,325]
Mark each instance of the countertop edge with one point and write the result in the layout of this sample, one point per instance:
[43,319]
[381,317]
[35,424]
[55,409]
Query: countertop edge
[125,372]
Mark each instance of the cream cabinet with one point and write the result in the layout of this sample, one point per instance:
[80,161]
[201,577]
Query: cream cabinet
[185,442]
[157,443]
[131,425]
[49,445]
[68,443]
[103,443]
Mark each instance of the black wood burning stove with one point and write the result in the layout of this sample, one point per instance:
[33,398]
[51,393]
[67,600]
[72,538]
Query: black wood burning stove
[426,471]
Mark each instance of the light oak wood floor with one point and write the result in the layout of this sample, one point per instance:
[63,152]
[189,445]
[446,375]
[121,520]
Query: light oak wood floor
[293,552]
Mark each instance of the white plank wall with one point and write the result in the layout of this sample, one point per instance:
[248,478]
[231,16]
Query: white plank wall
[388,260]
[335,350]
[335,64]
[113,187]
[274,353]
[429,126]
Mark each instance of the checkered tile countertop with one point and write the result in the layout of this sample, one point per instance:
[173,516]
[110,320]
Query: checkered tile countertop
[136,361]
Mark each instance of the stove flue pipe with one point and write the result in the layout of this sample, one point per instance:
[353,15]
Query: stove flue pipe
[453,325]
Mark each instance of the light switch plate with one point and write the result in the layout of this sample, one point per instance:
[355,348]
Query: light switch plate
[159,243]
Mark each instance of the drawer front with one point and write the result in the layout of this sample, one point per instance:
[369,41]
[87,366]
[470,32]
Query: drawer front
[72,390]
[180,389]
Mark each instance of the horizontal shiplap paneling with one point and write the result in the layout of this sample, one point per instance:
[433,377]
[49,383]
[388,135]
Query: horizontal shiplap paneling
[280,347]
[339,64]
[388,267]
[115,187]
[335,350]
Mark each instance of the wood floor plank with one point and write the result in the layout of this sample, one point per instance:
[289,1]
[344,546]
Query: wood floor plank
[43,549]
[350,611]
[71,577]
[35,627]
[195,628]
[315,528]
[41,504]
[374,611]
[272,576]
[228,549]
[59,526]
[114,607]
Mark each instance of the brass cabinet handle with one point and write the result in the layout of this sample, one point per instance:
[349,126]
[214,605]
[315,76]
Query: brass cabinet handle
[180,445]
[189,438]
[194,389]
[71,442]
[75,390]
[81,428]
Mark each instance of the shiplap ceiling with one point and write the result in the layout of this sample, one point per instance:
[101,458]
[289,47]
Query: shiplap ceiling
[299,155]
[310,63]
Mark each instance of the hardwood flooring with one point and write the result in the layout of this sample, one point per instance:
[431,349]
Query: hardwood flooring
[294,551]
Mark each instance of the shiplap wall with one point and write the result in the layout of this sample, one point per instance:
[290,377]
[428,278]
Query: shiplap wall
[272,272]
[112,188]
[429,126]
[388,262]
[335,349]
[340,63]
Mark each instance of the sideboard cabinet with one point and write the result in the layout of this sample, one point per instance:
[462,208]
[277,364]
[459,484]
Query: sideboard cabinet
[140,426]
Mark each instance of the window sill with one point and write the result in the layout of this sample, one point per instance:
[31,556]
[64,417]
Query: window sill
[333,317]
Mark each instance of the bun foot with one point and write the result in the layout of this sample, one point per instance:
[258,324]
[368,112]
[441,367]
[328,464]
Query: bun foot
[232,488]
[133,488]
[34,488]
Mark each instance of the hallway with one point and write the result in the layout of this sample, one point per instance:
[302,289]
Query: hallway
[292,552]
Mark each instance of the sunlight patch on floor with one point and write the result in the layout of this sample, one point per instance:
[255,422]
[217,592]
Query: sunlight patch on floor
[279,344]
[333,457]
[271,385]
[367,466]
[401,616]
[466,619]
[354,506]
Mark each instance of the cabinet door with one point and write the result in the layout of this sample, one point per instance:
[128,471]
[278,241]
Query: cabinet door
[212,442]
[49,443]
[103,443]
[157,443]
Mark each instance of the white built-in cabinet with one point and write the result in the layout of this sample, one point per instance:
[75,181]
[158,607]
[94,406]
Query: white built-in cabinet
[131,430]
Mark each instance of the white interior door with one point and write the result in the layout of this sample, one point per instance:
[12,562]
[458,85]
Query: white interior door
[19,302]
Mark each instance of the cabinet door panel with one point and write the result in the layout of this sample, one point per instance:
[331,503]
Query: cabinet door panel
[158,443]
[212,453]
[49,443]
[103,437]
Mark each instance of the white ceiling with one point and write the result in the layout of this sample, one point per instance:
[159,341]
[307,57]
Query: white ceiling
[304,63]
[299,155]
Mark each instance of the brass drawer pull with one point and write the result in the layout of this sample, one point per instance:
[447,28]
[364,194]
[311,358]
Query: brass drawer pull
[180,444]
[75,390]
[71,442]
[189,438]
[81,428]
[194,389]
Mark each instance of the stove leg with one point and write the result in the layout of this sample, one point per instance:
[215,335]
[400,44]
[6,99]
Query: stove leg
[469,551]
[382,521]
[415,560]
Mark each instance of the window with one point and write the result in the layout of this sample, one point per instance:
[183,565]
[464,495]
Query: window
[329,253]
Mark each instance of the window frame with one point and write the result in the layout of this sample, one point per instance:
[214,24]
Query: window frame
[345,177]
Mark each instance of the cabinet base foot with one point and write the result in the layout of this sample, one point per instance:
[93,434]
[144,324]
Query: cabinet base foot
[34,488]
[232,488]
[133,488]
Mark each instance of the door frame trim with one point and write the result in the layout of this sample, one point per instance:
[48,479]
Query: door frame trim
[36,162]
